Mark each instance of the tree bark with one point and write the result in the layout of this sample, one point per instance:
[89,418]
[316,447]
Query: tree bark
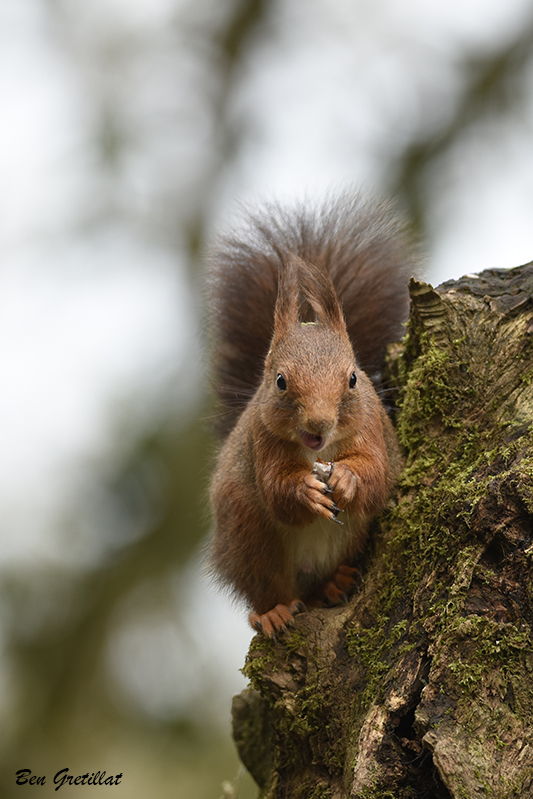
[421,685]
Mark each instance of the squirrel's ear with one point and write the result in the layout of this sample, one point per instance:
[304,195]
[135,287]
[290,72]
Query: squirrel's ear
[318,291]
[286,312]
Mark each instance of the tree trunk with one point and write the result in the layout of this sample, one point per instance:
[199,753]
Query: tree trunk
[420,685]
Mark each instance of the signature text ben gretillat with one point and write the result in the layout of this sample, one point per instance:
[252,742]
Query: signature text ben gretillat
[25,777]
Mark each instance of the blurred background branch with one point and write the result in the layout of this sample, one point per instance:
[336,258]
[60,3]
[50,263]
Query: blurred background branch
[495,86]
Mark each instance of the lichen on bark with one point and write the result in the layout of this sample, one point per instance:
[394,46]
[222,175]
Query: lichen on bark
[420,685]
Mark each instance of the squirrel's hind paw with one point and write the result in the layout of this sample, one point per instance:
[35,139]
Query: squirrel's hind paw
[342,583]
[277,620]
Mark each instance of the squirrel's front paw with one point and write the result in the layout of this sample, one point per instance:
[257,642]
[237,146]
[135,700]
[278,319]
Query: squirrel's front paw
[344,484]
[318,497]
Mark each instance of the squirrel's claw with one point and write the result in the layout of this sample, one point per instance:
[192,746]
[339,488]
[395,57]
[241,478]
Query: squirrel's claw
[334,513]
[297,606]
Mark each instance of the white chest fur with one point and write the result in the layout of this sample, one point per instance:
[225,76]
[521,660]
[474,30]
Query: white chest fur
[319,548]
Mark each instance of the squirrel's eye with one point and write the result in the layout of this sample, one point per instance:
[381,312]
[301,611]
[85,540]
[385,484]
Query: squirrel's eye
[353,380]
[281,383]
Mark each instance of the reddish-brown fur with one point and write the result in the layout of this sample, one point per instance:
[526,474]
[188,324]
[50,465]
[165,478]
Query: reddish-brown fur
[287,320]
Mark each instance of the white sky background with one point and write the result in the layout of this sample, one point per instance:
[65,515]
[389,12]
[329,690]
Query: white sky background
[96,316]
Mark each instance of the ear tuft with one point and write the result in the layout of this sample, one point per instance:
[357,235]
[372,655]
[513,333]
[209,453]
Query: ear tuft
[287,309]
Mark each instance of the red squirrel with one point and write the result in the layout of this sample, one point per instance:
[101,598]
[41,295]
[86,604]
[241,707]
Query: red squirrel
[303,304]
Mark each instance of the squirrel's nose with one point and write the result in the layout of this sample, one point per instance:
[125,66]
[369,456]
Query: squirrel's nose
[320,426]
[319,416]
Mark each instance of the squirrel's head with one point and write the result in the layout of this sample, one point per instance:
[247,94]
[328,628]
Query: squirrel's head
[312,384]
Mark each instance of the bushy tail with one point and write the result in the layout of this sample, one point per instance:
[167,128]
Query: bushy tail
[362,245]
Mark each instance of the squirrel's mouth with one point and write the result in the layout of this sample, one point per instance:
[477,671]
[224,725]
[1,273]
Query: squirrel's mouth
[312,441]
